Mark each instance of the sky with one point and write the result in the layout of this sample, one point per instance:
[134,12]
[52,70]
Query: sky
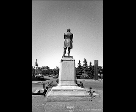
[51,19]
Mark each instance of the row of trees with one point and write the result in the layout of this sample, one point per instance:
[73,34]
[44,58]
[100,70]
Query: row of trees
[44,71]
[84,70]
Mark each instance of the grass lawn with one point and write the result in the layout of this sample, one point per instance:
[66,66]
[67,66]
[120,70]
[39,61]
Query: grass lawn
[92,83]
[39,103]
[87,84]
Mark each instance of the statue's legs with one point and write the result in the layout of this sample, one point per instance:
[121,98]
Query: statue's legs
[64,51]
[68,51]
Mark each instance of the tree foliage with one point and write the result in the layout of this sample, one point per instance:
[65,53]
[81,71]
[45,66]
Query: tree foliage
[79,70]
[82,71]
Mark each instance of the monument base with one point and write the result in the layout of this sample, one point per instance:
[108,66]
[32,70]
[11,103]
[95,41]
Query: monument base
[67,88]
[68,91]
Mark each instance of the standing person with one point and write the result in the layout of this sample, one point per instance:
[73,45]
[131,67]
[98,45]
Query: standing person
[90,91]
[44,89]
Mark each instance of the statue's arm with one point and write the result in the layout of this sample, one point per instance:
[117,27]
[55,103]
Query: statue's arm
[72,38]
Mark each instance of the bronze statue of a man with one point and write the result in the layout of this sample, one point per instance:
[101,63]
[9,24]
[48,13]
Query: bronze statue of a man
[68,43]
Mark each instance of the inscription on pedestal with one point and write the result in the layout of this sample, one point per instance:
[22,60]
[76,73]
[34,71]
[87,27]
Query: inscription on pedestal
[67,71]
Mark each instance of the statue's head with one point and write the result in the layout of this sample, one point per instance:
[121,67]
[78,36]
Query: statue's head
[68,30]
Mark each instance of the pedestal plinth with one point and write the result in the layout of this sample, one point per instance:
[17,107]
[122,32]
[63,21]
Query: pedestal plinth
[67,72]
[67,78]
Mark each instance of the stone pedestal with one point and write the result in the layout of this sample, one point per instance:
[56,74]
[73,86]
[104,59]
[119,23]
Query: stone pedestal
[67,78]
[67,72]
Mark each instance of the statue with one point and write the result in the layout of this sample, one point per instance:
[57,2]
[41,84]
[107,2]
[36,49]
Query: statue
[68,43]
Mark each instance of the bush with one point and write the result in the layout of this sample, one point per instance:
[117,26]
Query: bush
[84,76]
[38,79]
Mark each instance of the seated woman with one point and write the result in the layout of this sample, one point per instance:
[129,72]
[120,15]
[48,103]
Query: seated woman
[80,84]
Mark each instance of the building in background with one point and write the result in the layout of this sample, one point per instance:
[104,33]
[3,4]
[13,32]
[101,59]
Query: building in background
[36,68]
[96,69]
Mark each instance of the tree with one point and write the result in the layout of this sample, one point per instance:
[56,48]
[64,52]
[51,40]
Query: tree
[85,65]
[39,70]
[79,64]
[33,72]
[93,71]
[57,70]
[85,69]
[90,70]
[100,71]
[45,70]
[79,70]
[84,76]
[90,67]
